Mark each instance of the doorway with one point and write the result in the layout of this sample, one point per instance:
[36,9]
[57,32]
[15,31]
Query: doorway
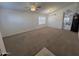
[75,23]
[67,20]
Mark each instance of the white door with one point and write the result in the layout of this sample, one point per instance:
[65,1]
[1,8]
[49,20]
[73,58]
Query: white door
[2,47]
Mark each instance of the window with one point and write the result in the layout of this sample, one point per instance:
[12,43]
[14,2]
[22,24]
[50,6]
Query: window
[41,20]
[67,20]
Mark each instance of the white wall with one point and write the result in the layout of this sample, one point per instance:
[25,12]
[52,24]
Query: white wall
[55,19]
[13,22]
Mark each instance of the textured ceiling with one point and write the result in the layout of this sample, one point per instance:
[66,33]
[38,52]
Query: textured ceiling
[46,7]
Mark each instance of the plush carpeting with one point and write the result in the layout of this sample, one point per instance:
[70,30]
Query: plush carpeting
[60,42]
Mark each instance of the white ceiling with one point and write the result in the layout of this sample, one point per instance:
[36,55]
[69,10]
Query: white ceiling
[46,7]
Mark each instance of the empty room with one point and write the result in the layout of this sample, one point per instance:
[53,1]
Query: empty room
[39,29]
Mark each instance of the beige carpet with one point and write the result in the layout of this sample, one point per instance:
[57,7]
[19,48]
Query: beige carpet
[59,42]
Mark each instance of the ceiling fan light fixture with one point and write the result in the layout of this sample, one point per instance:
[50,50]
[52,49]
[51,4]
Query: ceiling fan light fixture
[33,8]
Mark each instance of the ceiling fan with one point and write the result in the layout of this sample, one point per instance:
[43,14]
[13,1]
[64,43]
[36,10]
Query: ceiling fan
[34,7]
